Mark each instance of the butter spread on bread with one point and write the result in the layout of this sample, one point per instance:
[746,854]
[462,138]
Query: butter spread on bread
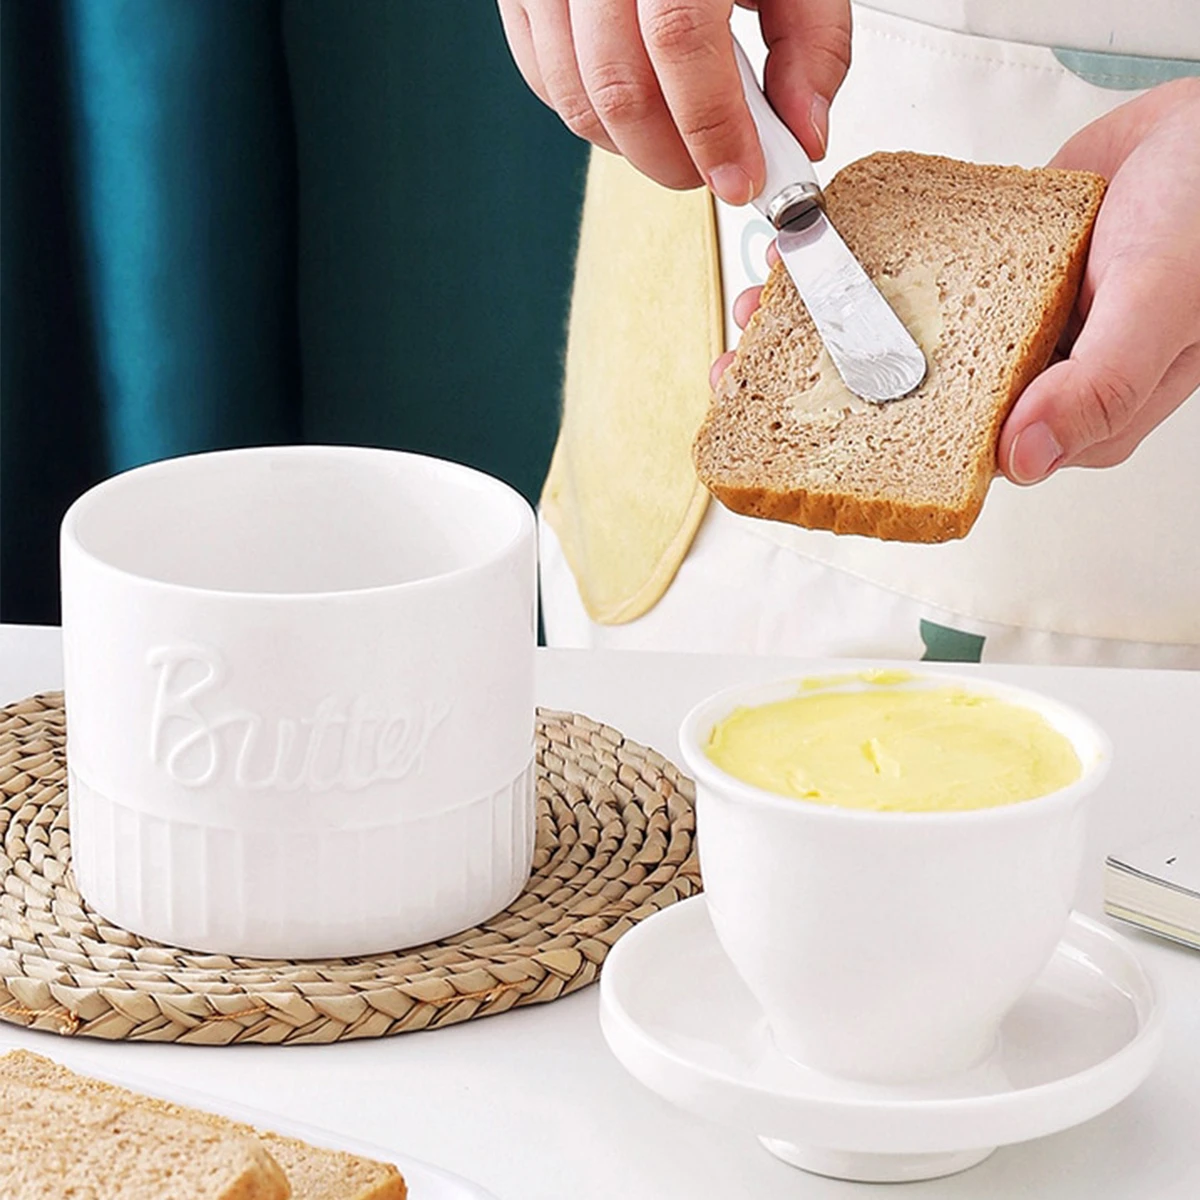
[1004,250]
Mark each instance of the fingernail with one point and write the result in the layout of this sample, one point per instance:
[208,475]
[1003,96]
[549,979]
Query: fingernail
[731,184]
[818,116]
[1035,453]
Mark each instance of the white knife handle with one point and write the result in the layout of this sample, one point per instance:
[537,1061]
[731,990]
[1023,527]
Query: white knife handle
[791,188]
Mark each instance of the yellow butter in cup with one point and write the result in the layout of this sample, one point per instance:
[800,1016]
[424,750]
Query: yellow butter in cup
[895,749]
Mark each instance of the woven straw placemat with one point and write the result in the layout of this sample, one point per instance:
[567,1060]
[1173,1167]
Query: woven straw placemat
[615,843]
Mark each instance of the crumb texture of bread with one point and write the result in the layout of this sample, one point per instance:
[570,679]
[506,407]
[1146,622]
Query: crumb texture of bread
[311,1172]
[1006,247]
[58,1143]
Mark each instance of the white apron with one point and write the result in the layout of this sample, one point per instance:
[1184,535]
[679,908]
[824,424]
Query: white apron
[1096,567]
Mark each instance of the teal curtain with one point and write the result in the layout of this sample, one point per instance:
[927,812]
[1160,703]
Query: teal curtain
[235,222]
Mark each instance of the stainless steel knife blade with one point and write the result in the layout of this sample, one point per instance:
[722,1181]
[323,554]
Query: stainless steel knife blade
[869,345]
[873,352]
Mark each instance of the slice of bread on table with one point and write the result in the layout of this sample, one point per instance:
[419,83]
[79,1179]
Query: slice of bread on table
[999,254]
[58,1143]
[312,1172]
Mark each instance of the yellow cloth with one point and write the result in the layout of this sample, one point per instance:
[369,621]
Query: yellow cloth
[646,323]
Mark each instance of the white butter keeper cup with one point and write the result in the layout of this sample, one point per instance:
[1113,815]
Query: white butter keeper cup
[888,946]
[299,693]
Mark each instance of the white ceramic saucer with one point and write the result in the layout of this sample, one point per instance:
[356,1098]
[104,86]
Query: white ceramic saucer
[682,1022]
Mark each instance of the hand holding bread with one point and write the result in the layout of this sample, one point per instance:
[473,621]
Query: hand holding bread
[983,265]
[1129,353]
[1133,340]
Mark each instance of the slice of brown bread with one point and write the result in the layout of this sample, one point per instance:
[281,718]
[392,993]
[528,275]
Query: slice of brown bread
[59,1143]
[319,1174]
[1005,248]
[313,1172]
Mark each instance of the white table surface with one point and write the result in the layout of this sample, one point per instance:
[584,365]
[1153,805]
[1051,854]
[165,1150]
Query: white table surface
[532,1105]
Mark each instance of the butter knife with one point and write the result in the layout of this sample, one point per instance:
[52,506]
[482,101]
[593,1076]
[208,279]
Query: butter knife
[872,351]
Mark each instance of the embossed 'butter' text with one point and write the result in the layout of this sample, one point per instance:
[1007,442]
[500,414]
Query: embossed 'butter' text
[346,743]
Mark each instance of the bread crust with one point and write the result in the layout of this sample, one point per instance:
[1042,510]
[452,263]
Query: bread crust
[889,517]
[264,1181]
[885,519]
